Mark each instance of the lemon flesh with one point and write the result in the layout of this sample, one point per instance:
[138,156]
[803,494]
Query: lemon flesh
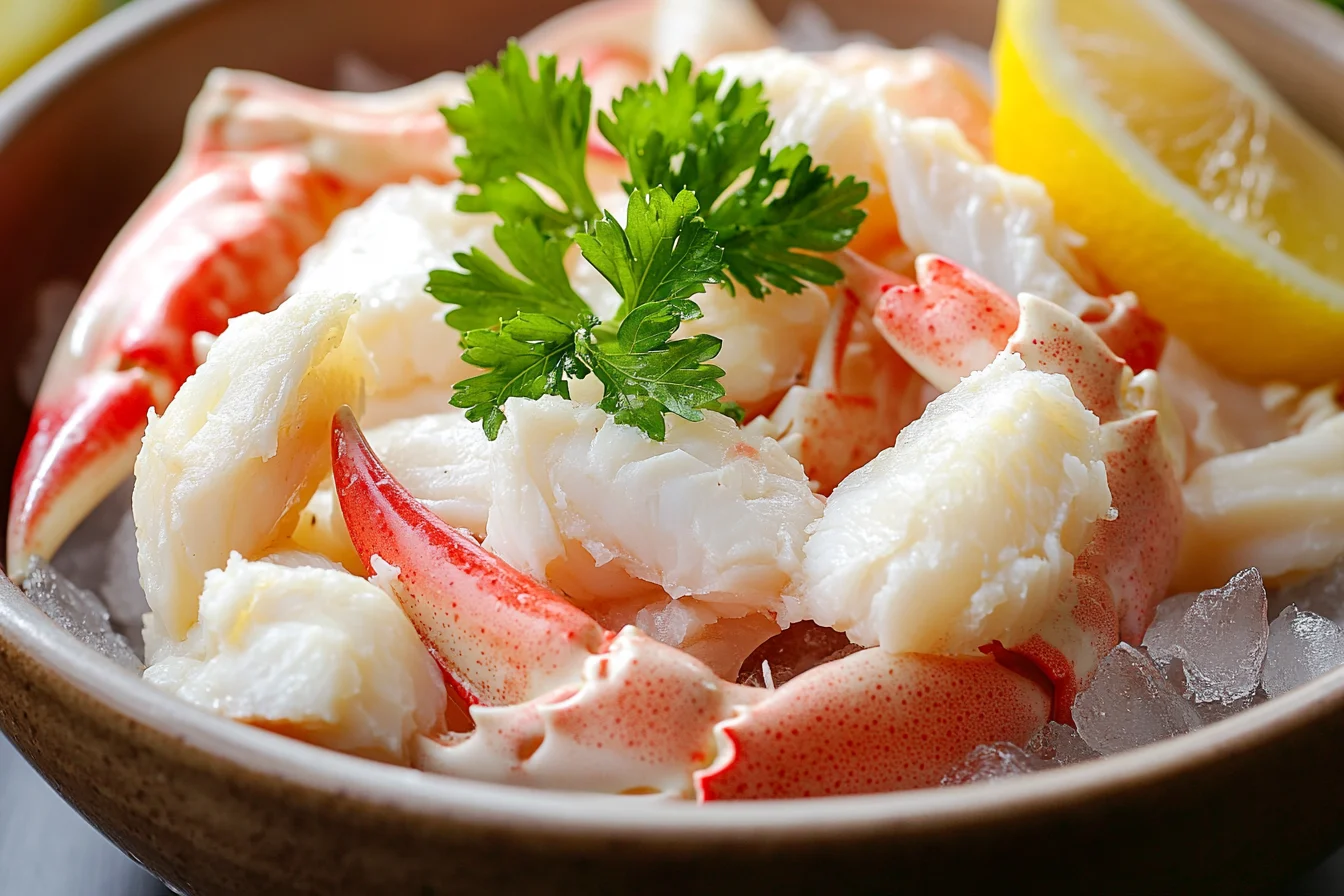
[29,29]
[1196,186]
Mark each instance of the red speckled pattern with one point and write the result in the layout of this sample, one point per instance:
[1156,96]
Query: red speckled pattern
[1136,552]
[1052,340]
[872,722]
[952,323]
[839,433]
[663,702]
[1071,641]
[503,636]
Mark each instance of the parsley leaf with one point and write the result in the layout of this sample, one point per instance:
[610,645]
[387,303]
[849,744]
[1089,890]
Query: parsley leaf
[684,135]
[760,235]
[663,252]
[707,204]
[529,356]
[485,294]
[644,376]
[519,126]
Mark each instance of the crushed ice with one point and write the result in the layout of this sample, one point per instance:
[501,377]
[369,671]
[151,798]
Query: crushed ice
[92,586]
[80,612]
[1205,657]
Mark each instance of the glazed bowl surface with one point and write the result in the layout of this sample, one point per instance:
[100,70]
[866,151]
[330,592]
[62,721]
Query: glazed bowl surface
[215,807]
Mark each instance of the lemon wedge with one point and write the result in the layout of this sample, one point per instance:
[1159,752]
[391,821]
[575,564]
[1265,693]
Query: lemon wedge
[1196,186]
[29,29]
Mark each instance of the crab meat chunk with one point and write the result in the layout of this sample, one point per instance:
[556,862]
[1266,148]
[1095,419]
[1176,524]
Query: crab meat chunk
[965,531]
[598,509]
[382,251]
[242,447]
[316,654]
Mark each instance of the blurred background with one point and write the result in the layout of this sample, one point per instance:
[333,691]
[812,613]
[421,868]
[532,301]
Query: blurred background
[46,849]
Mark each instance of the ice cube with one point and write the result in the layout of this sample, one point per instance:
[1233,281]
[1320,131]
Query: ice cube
[1164,632]
[1322,594]
[79,612]
[1218,637]
[83,557]
[990,761]
[1302,646]
[1057,744]
[1218,710]
[1222,640]
[1129,703]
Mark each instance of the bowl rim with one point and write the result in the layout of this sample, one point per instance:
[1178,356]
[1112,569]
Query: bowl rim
[523,810]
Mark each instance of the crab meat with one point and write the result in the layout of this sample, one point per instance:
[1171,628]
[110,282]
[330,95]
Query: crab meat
[382,251]
[965,532]
[931,191]
[241,449]
[1279,507]
[1131,558]
[312,653]
[598,509]
[768,344]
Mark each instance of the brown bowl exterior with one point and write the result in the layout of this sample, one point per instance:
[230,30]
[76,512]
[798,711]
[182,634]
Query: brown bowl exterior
[214,807]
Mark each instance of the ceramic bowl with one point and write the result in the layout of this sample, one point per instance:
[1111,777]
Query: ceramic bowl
[216,807]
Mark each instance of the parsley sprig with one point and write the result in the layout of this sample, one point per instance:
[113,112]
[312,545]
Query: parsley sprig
[707,204]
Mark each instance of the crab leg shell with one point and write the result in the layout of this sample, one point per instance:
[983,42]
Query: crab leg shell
[500,635]
[871,722]
[265,167]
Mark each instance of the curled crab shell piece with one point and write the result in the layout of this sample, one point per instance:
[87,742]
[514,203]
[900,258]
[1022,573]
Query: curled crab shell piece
[858,397]
[625,713]
[241,448]
[264,167]
[869,723]
[667,704]
[316,654]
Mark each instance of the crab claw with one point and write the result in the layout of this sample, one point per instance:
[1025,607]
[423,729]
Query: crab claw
[265,166]
[871,722]
[501,636]
[86,440]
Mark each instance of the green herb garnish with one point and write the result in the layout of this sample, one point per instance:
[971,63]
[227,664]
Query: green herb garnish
[707,204]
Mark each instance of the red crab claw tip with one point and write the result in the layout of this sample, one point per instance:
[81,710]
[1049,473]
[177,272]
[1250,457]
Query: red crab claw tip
[77,450]
[501,636]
